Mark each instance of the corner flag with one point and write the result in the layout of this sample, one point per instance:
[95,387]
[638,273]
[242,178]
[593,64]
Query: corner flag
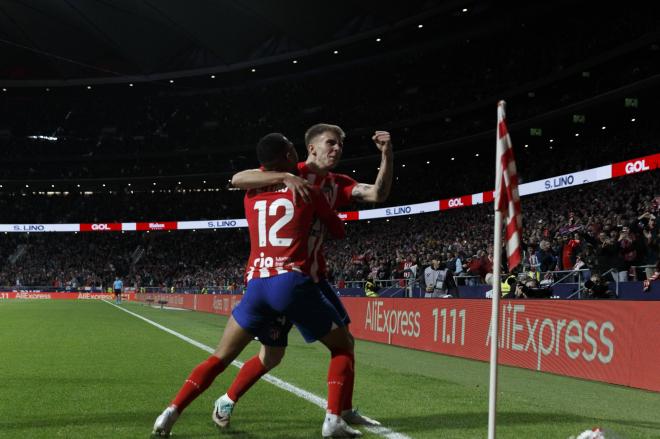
[507,206]
[507,199]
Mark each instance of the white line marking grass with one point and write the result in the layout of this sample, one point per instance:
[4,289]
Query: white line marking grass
[301,393]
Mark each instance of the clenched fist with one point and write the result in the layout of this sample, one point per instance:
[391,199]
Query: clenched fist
[383,141]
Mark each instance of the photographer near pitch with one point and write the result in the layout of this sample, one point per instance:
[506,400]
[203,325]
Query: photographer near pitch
[598,288]
[527,289]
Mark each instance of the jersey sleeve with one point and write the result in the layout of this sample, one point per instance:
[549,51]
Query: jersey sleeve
[345,185]
[327,216]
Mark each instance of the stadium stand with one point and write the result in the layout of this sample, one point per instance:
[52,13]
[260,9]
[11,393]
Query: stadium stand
[165,151]
[192,260]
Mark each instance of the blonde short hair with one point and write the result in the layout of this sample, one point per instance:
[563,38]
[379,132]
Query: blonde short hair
[320,128]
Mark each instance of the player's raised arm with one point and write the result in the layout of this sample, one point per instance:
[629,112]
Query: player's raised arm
[327,215]
[380,190]
[256,178]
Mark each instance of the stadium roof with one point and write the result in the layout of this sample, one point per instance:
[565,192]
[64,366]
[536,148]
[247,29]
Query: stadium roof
[117,40]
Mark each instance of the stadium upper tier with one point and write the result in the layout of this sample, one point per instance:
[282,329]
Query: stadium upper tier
[436,91]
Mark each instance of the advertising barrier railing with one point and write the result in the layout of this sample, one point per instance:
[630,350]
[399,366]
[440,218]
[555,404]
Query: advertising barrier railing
[628,167]
[603,341]
[207,289]
[53,295]
[213,303]
[608,341]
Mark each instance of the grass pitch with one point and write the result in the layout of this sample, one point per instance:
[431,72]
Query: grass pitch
[84,369]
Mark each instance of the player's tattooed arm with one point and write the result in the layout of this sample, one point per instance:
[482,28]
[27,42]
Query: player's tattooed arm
[361,192]
[380,190]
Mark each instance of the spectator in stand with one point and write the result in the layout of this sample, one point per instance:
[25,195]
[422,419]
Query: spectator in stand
[648,236]
[646,285]
[409,267]
[480,265]
[531,262]
[607,255]
[569,250]
[627,253]
[472,269]
[383,270]
[580,264]
[546,257]
[397,271]
[456,264]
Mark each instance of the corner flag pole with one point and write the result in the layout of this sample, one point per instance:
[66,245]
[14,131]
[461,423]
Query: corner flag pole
[494,317]
[507,205]
[495,305]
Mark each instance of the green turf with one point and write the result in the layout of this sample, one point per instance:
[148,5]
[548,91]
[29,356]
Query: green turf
[84,369]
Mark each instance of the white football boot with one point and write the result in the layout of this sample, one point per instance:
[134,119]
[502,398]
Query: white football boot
[164,422]
[335,427]
[222,411]
[353,417]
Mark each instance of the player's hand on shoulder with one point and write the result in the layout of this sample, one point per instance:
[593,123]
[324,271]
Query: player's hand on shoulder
[299,187]
[383,140]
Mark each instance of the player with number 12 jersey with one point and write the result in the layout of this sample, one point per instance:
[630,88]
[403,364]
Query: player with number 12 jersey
[280,231]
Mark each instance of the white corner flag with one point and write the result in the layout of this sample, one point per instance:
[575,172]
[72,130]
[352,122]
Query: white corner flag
[507,206]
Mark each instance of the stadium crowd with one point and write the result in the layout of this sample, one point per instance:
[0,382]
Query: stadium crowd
[600,226]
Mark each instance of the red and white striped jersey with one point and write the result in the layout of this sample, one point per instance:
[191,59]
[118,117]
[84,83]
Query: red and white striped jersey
[337,189]
[280,231]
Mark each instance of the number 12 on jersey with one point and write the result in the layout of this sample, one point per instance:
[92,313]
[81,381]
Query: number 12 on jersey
[274,240]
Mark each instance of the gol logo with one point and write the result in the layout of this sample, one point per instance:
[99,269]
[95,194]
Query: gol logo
[637,166]
[455,202]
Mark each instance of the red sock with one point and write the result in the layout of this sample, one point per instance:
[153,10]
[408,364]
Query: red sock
[347,401]
[252,370]
[199,380]
[340,370]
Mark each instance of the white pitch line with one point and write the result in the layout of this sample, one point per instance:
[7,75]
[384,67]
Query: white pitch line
[304,394]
